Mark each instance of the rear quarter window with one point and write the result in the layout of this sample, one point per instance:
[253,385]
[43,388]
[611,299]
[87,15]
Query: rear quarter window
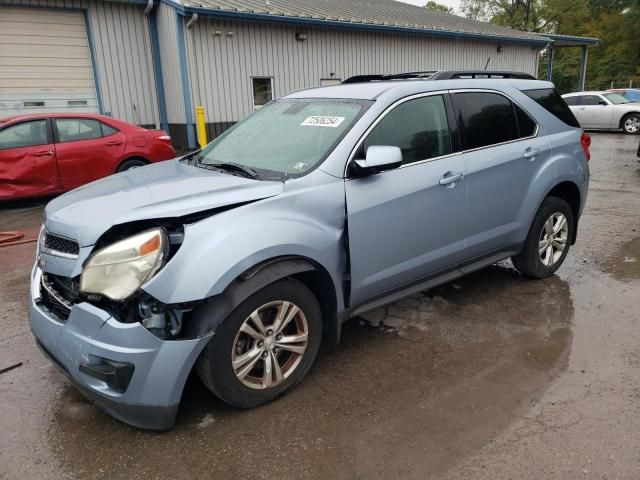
[552,102]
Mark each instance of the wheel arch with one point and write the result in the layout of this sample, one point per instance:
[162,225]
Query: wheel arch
[570,193]
[313,275]
[132,157]
[625,116]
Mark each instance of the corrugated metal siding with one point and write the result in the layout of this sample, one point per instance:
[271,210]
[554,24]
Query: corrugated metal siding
[123,56]
[221,66]
[168,39]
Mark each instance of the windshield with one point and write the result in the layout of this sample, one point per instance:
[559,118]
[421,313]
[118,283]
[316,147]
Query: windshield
[285,138]
[616,98]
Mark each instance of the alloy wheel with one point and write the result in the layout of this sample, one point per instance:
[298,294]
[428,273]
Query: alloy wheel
[553,239]
[632,124]
[270,345]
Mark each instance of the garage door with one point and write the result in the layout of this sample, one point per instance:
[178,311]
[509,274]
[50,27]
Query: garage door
[45,62]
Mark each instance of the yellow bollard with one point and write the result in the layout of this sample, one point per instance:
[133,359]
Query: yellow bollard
[202,131]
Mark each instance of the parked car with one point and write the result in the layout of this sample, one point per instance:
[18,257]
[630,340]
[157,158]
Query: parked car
[237,260]
[46,154]
[631,94]
[604,111]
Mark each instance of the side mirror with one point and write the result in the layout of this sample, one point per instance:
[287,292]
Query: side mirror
[602,102]
[379,158]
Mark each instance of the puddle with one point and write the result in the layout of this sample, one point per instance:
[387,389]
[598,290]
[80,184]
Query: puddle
[624,264]
[436,377]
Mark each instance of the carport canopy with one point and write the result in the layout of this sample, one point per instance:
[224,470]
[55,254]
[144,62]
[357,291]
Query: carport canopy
[560,41]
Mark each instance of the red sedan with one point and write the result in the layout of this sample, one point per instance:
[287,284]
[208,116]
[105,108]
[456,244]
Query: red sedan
[46,154]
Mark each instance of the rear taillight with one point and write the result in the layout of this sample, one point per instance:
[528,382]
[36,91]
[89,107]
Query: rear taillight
[586,143]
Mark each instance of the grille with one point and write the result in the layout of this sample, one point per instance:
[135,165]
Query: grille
[52,299]
[61,246]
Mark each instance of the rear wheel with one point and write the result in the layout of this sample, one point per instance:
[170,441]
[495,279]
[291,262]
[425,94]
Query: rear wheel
[265,346]
[131,163]
[548,241]
[631,124]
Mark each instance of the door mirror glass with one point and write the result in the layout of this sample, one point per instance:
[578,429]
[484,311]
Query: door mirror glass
[380,157]
[602,102]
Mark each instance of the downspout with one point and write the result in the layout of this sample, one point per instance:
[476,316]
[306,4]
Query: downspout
[157,64]
[192,20]
[184,75]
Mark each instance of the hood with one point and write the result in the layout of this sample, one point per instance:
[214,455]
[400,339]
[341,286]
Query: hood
[162,190]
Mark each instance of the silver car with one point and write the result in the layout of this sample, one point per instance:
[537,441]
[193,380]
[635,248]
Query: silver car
[605,111]
[238,260]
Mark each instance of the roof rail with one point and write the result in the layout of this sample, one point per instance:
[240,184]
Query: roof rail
[439,75]
[466,74]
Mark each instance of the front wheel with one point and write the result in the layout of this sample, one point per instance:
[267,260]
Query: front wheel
[265,346]
[631,124]
[548,241]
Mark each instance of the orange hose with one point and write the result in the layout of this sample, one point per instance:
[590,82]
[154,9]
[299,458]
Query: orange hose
[8,239]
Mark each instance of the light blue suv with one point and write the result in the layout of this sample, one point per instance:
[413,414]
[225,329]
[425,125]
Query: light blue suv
[239,259]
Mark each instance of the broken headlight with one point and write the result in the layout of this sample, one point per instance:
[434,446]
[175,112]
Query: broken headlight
[118,270]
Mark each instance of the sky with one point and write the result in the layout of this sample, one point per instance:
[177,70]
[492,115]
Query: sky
[455,4]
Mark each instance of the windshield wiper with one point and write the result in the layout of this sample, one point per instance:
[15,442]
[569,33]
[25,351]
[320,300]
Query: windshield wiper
[233,167]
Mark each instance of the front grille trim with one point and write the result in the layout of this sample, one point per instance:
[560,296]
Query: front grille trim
[60,246]
[53,301]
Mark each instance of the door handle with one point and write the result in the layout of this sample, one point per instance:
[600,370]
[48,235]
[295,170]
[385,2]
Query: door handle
[531,153]
[113,144]
[43,153]
[449,178]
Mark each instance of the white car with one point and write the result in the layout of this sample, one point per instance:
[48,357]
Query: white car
[604,111]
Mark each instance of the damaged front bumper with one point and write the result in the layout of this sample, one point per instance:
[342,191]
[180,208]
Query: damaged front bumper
[121,367]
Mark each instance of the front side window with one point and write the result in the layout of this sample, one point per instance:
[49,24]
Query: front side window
[486,118]
[262,90]
[590,100]
[288,137]
[27,134]
[74,129]
[419,127]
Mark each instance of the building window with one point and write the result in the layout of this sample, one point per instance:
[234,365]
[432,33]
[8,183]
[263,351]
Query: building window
[38,103]
[262,91]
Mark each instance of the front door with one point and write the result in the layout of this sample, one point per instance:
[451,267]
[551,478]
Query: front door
[407,224]
[27,160]
[594,111]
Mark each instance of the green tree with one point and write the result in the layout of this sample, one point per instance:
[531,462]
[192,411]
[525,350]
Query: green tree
[431,5]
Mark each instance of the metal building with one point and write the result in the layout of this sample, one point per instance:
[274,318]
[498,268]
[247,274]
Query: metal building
[151,62]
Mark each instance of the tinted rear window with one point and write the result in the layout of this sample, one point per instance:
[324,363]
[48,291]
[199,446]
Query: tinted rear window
[487,119]
[553,103]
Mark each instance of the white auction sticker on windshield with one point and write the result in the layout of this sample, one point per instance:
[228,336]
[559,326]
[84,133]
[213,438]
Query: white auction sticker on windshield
[322,121]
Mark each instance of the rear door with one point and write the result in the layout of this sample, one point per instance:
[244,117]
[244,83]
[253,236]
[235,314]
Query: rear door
[594,112]
[27,160]
[87,150]
[503,156]
[408,223]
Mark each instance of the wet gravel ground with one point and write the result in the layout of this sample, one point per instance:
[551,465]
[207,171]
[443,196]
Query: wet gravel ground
[492,376]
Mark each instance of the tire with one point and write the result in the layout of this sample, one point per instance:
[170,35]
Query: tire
[534,262]
[131,163]
[215,367]
[631,124]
